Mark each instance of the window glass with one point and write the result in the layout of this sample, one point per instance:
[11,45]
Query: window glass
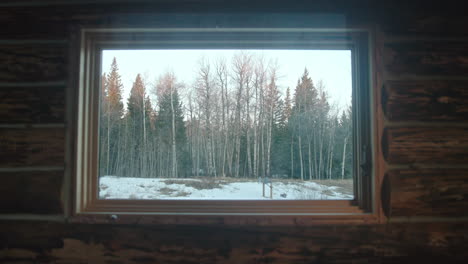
[226,125]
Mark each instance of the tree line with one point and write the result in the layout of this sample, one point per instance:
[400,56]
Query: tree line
[234,122]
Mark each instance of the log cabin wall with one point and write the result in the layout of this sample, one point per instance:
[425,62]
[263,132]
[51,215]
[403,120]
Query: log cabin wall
[421,63]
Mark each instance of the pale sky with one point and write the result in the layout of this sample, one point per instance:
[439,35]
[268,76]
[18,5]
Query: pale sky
[333,67]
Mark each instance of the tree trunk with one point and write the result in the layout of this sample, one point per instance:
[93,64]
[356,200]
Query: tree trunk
[310,162]
[300,158]
[174,149]
[248,156]
[315,153]
[108,140]
[330,151]
[144,155]
[268,155]
[344,158]
[292,156]
[320,153]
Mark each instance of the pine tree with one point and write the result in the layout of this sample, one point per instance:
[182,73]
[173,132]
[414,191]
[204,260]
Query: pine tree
[287,105]
[103,126]
[111,119]
[302,123]
[281,139]
[138,117]
[170,127]
[114,91]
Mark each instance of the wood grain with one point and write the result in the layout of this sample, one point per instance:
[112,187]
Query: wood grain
[426,100]
[427,58]
[32,105]
[36,192]
[435,145]
[32,147]
[427,192]
[33,62]
[425,24]
[82,243]
[49,242]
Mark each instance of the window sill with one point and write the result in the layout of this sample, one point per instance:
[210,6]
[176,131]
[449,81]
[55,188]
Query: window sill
[225,220]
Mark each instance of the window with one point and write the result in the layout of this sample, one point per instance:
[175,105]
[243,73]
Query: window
[126,139]
[225,124]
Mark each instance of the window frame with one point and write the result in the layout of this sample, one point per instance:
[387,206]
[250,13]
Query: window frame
[363,208]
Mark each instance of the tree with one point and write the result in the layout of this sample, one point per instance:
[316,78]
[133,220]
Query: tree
[323,108]
[280,137]
[222,83]
[103,129]
[345,130]
[139,113]
[302,120]
[170,126]
[205,88]
[111,118]
[242,70]
[287,105]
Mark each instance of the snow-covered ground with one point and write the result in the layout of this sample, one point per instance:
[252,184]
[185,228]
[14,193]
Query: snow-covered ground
[112,187]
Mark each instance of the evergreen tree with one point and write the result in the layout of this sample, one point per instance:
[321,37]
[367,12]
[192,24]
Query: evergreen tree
[111,119]
[287,105]
[170,127]
[281,139]
[139,114]
[103,126]
[302,125]
[114,92]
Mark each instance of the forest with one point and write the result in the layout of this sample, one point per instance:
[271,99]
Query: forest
[231,121]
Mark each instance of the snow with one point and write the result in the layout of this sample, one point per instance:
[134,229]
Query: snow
[113,187]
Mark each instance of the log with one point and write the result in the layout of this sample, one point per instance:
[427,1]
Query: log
[32,105]
[426,192]
[426,100]
[426,58]
[32,147]
[425,24]
[33,63]
[33,28]
[37,192]
[44,242]
[434,145]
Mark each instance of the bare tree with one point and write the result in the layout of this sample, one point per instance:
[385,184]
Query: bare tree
[167,85]
[242,70]
[222,83]
[206,94]
[259,80]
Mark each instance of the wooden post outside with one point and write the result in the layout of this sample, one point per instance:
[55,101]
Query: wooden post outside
[271,190]
[263,187]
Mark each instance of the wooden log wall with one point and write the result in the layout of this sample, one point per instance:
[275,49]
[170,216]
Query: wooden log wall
[421,69]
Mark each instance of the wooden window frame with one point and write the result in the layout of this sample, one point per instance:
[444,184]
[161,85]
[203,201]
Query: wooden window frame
[85,203]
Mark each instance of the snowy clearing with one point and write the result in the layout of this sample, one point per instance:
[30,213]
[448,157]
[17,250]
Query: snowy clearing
[113,187]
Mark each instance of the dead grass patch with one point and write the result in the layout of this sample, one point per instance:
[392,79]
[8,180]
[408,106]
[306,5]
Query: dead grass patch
[202,184]
[328,192]
[182,194]
[166,191]
[344,186]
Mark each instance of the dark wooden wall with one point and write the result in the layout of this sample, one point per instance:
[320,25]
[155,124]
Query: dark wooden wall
[421,81]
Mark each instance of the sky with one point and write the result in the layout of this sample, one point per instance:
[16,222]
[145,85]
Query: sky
[332,67]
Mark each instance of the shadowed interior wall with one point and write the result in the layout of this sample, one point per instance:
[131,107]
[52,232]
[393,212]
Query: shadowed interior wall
[421,69]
